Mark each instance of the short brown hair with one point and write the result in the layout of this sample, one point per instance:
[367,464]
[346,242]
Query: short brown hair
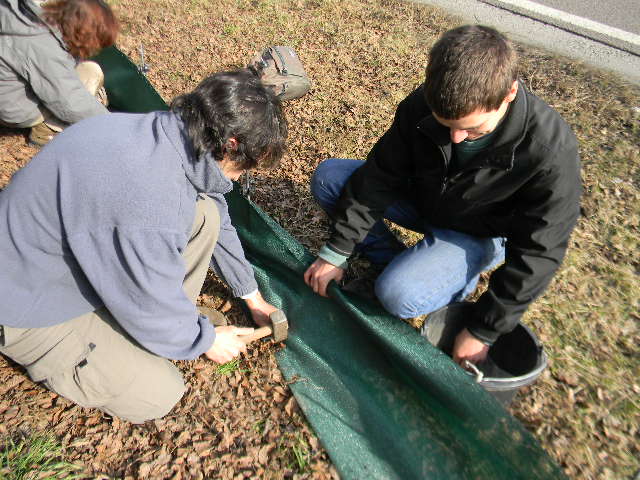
[87,26]
[470,68]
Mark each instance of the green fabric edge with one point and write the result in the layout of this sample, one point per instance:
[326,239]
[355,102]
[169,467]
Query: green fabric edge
[457,429]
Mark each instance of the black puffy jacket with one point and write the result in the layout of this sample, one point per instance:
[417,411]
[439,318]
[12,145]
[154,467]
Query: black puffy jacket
[525,187]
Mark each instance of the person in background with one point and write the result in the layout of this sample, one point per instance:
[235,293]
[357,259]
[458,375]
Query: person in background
[106,236]
[46,83]
[485,169]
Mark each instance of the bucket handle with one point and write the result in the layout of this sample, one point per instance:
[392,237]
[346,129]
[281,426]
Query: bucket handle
[475,370]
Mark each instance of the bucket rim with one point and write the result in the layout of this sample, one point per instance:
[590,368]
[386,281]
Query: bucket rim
[499,384]
[519,381]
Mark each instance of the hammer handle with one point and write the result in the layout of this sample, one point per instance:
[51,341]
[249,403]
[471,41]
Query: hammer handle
[257,334]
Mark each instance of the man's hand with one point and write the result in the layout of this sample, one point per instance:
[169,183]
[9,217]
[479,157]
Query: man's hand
[468,347]
[227,345]
[260,309]
[320,273]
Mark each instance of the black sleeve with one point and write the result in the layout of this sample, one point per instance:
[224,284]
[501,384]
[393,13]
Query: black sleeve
[381,179]
[536,248]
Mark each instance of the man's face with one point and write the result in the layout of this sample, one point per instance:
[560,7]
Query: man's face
[480,122]
[474,125]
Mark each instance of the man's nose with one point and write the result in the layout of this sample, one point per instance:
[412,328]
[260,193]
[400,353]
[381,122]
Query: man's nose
[458,135]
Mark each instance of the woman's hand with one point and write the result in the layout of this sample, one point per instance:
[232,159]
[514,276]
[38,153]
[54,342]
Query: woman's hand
[320,273]
[260,309]
[227,345]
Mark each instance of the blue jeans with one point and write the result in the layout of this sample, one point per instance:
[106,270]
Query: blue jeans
[442,268]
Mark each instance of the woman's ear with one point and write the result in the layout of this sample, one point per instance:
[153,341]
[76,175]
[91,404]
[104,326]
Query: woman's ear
[231,145]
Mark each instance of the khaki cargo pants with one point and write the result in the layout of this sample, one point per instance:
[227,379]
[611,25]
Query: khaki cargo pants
[91,361]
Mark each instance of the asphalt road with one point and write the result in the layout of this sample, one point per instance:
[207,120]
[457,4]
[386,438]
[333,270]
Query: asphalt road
[589,32]
[622,14]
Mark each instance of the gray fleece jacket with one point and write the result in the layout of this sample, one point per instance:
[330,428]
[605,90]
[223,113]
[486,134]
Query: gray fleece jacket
[36,68]
[99,217]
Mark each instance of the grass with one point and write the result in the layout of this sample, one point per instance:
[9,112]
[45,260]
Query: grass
[363,61]
[364,56]
[296,449]
[301,454]
[260,425]
[230,29]
[230,367]
[38,457]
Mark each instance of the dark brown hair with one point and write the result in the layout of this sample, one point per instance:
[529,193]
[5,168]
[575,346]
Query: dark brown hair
[87,26]
[470,68]
[234,104]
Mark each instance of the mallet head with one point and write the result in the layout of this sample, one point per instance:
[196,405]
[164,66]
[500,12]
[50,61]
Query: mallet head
[280,325]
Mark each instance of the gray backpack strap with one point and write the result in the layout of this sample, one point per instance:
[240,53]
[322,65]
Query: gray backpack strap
[281,70]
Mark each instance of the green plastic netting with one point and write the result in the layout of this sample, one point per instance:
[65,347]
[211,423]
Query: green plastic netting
[383,401]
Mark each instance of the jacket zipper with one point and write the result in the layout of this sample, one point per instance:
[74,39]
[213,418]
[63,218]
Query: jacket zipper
[446,181]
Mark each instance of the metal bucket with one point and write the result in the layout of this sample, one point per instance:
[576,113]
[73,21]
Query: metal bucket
[515,360]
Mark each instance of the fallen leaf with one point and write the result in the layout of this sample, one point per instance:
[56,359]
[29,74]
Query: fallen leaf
[291,406]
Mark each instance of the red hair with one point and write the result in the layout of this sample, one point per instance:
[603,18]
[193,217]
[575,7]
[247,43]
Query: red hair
[87,26]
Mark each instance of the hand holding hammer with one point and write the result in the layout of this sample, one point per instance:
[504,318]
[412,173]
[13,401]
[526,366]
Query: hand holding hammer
[279,329]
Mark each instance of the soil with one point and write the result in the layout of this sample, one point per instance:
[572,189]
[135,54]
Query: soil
[241,424]
[363,61]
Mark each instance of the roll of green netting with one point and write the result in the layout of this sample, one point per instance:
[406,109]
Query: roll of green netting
[383,401]
[127,89]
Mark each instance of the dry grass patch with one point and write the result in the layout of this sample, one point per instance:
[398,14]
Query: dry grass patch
[364,56]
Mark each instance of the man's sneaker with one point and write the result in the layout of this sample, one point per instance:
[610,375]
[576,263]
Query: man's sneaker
[364,287]
[41,134]
[216,318]
[362,283]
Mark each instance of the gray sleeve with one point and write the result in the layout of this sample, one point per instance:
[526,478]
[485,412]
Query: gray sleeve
[138,274]
[228,259]
[50,72]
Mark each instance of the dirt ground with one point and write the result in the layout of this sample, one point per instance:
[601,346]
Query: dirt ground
[233,423]
[237,422]
[364,56]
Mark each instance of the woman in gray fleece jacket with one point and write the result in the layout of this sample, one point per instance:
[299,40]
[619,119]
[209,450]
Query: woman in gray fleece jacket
[44,83]
[106,237]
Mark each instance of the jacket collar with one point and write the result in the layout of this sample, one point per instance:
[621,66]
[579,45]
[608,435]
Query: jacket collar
[508,137]
[22,17]
[202,172]
[18,22]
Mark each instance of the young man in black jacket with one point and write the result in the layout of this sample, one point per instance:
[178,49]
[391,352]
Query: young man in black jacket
[485,169]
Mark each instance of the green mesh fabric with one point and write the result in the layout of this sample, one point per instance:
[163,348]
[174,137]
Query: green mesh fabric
[128,90]
[383,401]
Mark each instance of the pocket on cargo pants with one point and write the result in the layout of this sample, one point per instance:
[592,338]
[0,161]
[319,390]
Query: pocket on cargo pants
[91,361]
[75,369]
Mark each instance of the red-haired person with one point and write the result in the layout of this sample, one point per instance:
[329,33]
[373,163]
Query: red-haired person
[46,83]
